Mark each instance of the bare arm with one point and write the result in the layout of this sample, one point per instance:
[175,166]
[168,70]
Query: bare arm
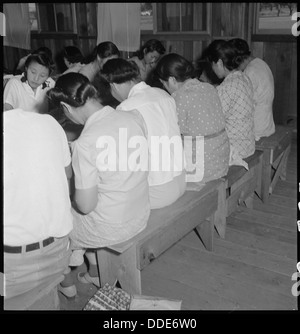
[8,106]
[86,199]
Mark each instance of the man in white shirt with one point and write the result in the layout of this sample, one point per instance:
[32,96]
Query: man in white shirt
[37,208]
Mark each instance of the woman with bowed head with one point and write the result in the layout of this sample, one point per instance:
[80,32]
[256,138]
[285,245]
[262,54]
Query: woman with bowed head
[111,201]
[101,54]
[158,109]
[147,57]
[199,113]
[262,81]
[236,94]
[28,91]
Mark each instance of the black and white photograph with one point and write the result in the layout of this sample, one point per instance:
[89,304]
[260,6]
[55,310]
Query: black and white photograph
[150,160]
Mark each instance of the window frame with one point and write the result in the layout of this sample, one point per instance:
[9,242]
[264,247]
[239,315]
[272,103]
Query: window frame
[256,31]
[207,31]
[50,32]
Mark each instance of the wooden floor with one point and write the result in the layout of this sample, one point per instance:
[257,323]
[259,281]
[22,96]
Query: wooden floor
[250,269]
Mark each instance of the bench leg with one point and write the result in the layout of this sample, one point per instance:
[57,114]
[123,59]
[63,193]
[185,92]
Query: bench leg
[249,202]
[205,231]
[220,214]
[266,176]
[122,267]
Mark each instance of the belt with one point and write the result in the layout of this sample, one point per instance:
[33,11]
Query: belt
[30,247]
[213,135]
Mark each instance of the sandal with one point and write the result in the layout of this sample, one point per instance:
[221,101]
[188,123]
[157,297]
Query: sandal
[85,278]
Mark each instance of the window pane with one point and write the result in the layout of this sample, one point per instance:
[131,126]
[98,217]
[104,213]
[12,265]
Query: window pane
[33,16]
[168,17]
[64,17]
[146,16]
[194,16]
[47,19]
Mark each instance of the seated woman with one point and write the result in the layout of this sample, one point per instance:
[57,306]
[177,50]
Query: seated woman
[236,94]
[111,203]
[262,80]
[199,113]
[158,108]
[69,60]
[28,91]
[147,57]
[101,54]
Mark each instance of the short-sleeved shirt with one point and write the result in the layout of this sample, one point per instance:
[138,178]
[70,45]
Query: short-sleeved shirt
[236,95]
[263,94]
[200,113]
[36,194]
[158,109]
[20,95]
[123,196]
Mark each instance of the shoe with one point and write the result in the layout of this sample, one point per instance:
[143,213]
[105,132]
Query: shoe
[85,278]
[68,291]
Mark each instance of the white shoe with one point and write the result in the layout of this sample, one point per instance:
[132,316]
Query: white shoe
[76,258]
[68,291]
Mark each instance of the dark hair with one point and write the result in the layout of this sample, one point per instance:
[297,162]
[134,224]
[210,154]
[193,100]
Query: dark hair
[72,88]
[221,49]
[103,50]
[150,46]
[46,51]
[204,67]
[174,65]
[240,46]
[120,70]
[72,54]
[104,91]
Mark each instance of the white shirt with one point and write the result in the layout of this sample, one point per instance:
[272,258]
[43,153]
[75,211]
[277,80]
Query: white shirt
[36,195]
[20,95]
[158,109]
[263,88]
[123,196]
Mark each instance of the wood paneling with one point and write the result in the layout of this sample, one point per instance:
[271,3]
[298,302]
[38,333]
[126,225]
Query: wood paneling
[282,59]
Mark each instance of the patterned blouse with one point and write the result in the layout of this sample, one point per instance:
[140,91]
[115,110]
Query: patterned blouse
[236,94]
[200,114]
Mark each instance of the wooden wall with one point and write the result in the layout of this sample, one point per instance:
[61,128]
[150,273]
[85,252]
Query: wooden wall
[281,55]
[227,20]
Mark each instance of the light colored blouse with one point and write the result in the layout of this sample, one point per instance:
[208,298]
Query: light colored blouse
[236,95]
[123,205]
[263,89]
[20,95]
[200,113]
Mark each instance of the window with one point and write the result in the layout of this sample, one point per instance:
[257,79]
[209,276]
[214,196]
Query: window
[146,16]
[182,17]
[274,17]
[52,17]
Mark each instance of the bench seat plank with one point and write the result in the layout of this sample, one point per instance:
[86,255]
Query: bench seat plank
[194,210]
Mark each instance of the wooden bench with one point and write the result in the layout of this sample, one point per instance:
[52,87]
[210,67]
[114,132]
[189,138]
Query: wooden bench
[276,149]
[195,210]
[241,183]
